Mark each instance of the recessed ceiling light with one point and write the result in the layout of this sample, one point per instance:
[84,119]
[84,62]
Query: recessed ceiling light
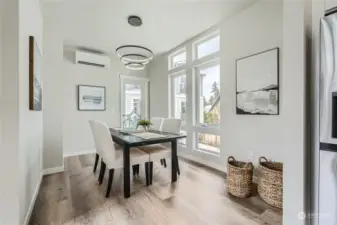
[135,21]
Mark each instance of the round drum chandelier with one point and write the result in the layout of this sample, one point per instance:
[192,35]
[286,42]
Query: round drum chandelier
[134,57]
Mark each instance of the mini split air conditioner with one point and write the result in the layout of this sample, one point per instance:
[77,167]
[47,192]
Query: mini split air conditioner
[92,59]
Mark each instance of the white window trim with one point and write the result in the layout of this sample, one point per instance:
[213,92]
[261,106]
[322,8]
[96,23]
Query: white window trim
[197,88]
[123,77]
[171,90]
[171,77]
[189,70]
[202,40]
[172,55]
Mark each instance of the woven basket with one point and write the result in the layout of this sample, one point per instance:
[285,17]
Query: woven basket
[270,182]
[239,178]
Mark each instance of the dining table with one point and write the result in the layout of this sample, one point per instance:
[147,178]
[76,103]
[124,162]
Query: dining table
[131,139]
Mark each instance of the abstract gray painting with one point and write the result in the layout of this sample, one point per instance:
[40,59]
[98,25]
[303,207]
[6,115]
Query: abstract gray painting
[257,86]
[91,98]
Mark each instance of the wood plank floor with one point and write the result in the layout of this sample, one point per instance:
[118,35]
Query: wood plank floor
[74,197]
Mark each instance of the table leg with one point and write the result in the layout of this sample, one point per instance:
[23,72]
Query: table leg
[126,152]
[174,159]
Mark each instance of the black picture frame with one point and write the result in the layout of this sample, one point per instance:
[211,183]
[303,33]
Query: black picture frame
[80,108]
[35,80]
[241,112]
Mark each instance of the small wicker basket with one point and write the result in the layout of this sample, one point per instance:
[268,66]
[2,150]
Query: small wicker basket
[270,182]
[239,178]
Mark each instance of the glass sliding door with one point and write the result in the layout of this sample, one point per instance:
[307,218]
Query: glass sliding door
[134,100]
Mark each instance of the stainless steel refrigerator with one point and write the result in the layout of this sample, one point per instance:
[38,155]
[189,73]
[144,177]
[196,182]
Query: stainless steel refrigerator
[327,192]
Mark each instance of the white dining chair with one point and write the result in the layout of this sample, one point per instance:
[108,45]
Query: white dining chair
[161,152]
[113,159]
[157,123]
[98,154]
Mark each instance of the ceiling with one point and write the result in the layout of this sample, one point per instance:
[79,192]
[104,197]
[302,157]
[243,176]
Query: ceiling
[102,24]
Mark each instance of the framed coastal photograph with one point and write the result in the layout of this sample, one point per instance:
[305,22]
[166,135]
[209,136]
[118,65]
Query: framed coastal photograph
[35,79]
[257,84]
[91,98]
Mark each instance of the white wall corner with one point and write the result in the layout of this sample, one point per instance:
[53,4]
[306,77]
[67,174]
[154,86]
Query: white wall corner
[33,200]
[53,170]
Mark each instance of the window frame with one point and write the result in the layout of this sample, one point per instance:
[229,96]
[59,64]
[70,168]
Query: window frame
[171,97]
[172,92]
[202,40]
[196,138]
[172,55]
[197,90]
[191,128]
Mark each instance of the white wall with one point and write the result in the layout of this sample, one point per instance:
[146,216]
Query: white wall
[22,129]
[265,25]
[30,122]
[9,211]
[159,87]
[317,12]
[254,30]
[294,103]
[66,130]
[53,81]
[77,136]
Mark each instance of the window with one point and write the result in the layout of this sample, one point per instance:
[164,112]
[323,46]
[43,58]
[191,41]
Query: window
[178,99]
[182,141]
[208,142]
[132,99]
[207,47]
[177,59]
[208,99]
[136,106]
[197,64]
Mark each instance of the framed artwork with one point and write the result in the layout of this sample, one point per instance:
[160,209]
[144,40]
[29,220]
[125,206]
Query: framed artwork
[91,98]
[257,84]
[35,79]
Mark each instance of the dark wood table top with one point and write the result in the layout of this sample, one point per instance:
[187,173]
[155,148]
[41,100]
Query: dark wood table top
[132,140]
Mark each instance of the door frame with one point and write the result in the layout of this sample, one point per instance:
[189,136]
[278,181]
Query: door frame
[146,80]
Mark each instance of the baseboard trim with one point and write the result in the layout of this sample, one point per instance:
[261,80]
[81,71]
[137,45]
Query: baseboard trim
[212,165]
[90,151]
[53,170]
[33,200]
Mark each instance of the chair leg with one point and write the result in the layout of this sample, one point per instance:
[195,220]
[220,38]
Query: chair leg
[178,169]
[96,162]
[164,162]
[100,171]
[151,172]
[111,176]
[103,167]
[134,170]
[147,173]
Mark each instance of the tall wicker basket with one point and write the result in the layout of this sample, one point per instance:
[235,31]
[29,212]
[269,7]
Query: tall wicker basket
[270,182]
[239,178]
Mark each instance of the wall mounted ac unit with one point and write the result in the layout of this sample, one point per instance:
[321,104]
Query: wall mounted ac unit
[92,59]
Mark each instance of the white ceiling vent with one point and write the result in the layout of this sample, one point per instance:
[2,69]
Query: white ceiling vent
[92,59]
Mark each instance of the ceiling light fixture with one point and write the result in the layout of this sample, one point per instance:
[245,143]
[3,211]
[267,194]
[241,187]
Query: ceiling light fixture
[135,21]
[134,57]
[135,66]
